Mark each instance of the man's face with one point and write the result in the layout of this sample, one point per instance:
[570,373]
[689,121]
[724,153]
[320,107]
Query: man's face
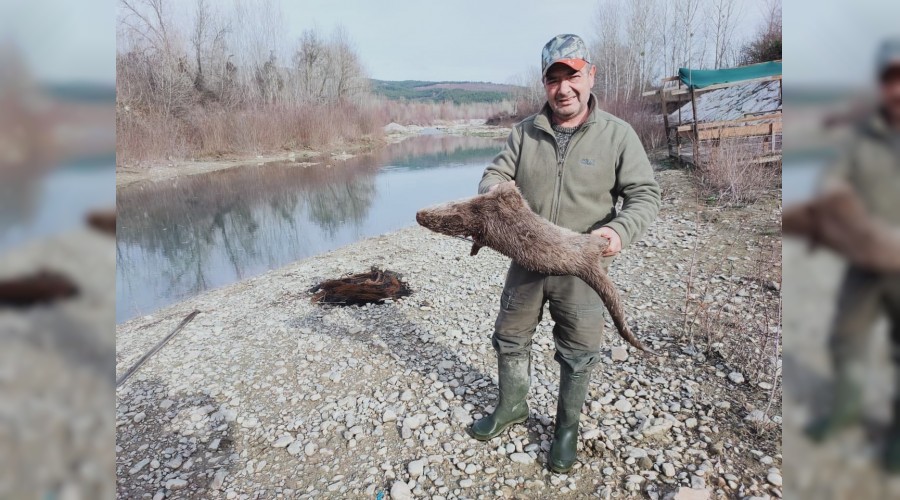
[890,93]
[568,90]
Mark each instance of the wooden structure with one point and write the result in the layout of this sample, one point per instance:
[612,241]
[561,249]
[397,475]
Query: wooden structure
[757,134]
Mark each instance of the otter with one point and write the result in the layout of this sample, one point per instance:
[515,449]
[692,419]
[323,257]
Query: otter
[103,221]
[43,287]
[838,220]
[502,220]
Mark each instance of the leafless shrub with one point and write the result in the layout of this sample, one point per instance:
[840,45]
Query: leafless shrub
[729,175]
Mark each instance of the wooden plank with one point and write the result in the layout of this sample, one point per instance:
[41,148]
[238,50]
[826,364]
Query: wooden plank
[733,123]
[750,130]
[665,113]
[696,135]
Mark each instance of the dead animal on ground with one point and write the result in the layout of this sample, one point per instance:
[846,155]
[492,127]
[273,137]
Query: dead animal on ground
[838,220]
[43,287]
[372,287]
[502,220]
[103,221]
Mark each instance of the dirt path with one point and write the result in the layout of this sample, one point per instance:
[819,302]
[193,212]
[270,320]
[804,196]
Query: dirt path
[266,395]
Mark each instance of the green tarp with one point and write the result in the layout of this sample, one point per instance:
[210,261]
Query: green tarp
[699,78]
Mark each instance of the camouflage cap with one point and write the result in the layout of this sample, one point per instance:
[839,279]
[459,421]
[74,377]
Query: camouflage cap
[888,55]
[567,49]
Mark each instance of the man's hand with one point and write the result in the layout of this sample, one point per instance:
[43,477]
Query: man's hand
[615,243]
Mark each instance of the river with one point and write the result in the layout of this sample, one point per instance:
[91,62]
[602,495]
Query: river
[180,237]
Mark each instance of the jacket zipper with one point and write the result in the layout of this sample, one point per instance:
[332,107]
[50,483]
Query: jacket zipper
[560,164]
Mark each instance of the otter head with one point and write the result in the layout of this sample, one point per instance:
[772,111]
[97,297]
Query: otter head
[468,217]
[456,218]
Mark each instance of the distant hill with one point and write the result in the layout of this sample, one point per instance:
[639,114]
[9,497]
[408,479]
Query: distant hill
[457,92]
[81,92]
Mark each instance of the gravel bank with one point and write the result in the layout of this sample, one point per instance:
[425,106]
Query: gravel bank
[265,395]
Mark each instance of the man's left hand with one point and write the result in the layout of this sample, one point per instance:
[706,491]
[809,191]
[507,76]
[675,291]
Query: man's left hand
[615,243]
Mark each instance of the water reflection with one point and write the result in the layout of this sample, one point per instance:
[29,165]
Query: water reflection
[180,237]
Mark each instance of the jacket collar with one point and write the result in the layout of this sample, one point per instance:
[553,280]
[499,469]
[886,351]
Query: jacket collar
[543,121]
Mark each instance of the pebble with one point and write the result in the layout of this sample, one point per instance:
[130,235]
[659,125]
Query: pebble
[400,491]
[218,479]
[283,441]
[623,405]
[619,353]
[521,458]
[138,466]
[668,469]
[774,478]
[176,484]
[736,377]
[139,417]
[416,468]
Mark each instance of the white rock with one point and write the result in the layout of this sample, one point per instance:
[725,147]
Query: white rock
[283,441]
[619,353]
[756,416]
[176,484]
[521,458]
[295,448]
[218,479]
[415,421]
[389,415]
[736,377]
[623,405]
[400,491]
[416,468]
[138,466]
[461,415]
[138,418]
[668,469]
[310,449]
[774,478]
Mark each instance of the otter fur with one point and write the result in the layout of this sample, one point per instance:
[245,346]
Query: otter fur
[502,220]
[838,220]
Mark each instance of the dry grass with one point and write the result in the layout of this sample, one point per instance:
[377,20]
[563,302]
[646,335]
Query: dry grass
[210,132]
[729,176]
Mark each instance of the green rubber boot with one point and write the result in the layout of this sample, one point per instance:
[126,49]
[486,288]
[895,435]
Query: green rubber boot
[845,412]
[514,374]
[573,388]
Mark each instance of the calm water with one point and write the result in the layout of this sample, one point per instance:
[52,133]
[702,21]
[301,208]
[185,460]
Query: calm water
[55,202]
[178,238]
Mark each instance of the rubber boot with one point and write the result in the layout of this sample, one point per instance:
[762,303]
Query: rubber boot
[514,374]
[573,388]
[846,410]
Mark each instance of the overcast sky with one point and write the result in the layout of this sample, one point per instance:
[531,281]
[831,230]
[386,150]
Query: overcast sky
[476,40]
[834,42]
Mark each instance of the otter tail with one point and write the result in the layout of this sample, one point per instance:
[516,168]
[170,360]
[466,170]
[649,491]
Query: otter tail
[604,286]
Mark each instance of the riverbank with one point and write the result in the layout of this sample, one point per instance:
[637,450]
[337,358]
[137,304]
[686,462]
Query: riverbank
[265,393]
[333,156]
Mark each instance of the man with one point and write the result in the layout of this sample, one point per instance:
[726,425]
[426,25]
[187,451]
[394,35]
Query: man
[572,162]
[871,167]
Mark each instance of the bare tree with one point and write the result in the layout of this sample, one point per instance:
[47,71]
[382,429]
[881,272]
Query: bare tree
[724,16]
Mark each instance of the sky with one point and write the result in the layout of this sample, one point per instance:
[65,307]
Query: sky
[474,40]
[833,43]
